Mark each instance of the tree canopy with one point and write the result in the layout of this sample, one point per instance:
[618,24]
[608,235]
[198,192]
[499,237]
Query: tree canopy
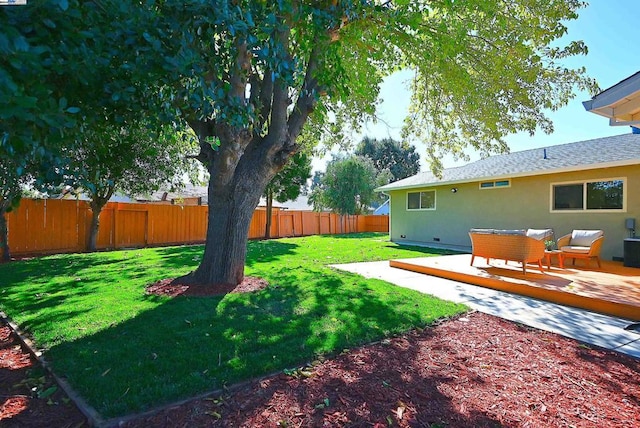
[347,187]
[401,159]
[135,157]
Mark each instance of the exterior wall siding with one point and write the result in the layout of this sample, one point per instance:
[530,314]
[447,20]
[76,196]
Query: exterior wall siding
[525,204]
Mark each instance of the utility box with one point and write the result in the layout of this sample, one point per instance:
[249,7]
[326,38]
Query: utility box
[632,252]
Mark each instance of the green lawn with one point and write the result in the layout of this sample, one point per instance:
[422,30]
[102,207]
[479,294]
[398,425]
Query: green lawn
[125,351]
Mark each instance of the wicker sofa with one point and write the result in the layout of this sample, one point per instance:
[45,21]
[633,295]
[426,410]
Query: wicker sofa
[523,246]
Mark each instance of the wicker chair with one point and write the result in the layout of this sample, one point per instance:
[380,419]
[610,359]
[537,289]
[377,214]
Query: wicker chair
[507,246]
[582,244]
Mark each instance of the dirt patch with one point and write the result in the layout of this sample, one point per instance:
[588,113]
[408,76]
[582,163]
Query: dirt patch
[29,397]
[476,370]
[176,287]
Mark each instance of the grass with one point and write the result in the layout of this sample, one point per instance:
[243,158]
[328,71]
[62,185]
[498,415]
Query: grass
[125,351]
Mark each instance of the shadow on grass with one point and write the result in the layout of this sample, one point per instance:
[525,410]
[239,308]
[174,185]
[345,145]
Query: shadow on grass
[190,345]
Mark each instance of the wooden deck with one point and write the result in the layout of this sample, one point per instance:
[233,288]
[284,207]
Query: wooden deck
[612,290]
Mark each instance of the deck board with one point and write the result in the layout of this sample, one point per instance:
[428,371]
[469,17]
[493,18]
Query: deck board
[612,290]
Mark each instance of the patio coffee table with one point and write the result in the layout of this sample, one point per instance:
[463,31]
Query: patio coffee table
[550,253]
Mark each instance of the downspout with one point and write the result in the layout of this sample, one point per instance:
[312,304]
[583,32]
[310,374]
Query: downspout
[389,196]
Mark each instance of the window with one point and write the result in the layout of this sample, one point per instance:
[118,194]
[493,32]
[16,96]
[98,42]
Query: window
[421,200]
[495,184]
[604,195]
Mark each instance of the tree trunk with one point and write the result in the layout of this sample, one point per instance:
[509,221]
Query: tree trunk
[92,238]
[267,230]
[231,208]
[4,237]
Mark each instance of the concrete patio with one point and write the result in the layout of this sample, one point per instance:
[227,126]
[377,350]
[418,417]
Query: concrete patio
[587,326]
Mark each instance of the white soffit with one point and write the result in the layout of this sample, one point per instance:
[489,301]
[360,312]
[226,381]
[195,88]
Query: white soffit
[620,103]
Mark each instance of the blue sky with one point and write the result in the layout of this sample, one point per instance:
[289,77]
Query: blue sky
[608,27]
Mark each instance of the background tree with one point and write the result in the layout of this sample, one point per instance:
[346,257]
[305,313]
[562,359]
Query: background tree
[347,186]
[401,159]
[9,198]
[287,184]
[316,191]
[34,112]
[136,157]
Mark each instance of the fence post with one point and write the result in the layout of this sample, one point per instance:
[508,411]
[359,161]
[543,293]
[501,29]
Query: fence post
[115,225]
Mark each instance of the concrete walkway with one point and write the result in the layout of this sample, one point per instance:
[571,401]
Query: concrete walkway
[588,327]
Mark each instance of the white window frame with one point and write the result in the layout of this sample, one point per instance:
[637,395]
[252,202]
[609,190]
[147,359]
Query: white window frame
[493,184]
[584,196]
[421,209]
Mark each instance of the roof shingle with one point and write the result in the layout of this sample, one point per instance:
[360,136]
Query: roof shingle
[597,153]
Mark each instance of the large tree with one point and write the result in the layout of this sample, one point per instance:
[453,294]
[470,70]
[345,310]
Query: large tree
[401,159]
[259,71]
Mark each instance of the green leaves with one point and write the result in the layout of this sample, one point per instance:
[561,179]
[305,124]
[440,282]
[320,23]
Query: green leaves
[347,187]
[214,142]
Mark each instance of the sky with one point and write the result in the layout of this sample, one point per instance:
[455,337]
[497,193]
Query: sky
[609,29]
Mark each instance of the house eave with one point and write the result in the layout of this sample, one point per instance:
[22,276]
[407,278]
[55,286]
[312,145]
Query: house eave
[620,103]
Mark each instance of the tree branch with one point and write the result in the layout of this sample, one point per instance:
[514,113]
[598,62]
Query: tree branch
[307,98]
[240,73]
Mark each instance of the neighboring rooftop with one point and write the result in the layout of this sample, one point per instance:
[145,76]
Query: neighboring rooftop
[604,152]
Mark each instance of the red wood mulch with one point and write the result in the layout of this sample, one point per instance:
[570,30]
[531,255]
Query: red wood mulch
[175,287]
[476,370]
[28,396]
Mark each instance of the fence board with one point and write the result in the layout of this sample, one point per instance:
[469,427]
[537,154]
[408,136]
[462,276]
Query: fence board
[61,226]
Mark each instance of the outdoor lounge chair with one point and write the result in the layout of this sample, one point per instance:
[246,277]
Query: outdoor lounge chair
[582,244]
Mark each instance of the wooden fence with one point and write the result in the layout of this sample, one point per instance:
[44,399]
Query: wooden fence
[46,226]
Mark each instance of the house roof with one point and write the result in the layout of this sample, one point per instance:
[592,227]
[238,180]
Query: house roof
[382,209]
[604,152]
[620,103]
[301,203]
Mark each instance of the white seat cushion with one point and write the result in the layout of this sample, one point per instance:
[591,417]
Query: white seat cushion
[584,238]
[575,249]
[540,234]
[509,232]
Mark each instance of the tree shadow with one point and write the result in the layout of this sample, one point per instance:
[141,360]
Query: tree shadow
[187,345]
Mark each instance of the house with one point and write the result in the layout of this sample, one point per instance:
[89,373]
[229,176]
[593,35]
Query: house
[584,185]
[189,195]
[382,209]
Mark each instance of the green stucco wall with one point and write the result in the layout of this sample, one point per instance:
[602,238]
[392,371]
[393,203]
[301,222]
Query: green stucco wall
[526,204]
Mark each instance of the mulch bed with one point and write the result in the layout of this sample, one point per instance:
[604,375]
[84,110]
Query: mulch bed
[475,370]
[29,397]
[176,287]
